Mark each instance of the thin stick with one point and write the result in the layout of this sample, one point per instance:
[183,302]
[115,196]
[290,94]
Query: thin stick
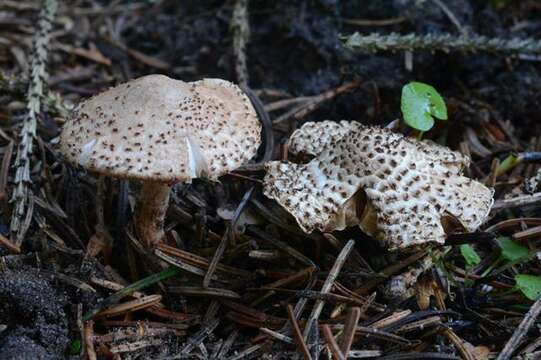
[530,233]
[531,347]
[390,270]
[241,35]
[459,344]
[352,319]
[198,338]
[378,22]
[280,104]
[491,178]
[228,343]
[314,102]
[282,246]
[13,248]
[4,171]
[273,287]
[81,327]
[518,201]
[297,333]
[89,340]
[39,75]
[331,342]
[333,274]
[228,232]
[520,331]
[277,335]
[451,16]
[201,262]
[247,351]
[446,42]
[376,333]
[130,289]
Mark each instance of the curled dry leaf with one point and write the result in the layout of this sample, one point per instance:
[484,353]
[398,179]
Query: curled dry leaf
[424,289]
[402,191]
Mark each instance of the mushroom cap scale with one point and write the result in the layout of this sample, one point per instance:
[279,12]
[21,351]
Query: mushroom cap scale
[160,129]
[312,138]
[411,185]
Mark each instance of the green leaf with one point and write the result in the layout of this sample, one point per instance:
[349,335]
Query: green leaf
[511,250]
[530,286]
[420,103]
[470,255]
[74,347]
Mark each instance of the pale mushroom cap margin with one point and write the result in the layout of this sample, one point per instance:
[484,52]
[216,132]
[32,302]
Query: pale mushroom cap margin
[410,184]
[163,129]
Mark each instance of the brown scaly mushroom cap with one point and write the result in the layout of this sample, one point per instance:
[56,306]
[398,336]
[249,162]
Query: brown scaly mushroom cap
[410,185]
[157,128]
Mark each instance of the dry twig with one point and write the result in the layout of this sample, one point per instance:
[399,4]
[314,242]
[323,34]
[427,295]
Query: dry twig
[332,344]
[352,319]
[446,42]
[240,26]
[297,335]
[333,274]
[521,331]
[38,79]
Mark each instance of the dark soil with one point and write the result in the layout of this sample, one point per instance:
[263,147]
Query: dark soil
[35,311]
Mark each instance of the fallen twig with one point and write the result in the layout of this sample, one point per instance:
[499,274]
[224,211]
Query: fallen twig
[518,201]
[333,274]
[314,102]
[241,35]
[297,335]
[331,343]
[198,338]
[348,334]
[446,42]
[521,331]
[89,340]
[225,238]
[23,164]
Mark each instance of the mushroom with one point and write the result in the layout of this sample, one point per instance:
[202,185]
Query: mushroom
[402,191]
[161,131]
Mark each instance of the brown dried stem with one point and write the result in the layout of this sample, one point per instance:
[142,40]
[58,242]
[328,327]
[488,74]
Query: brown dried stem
[326,288]
[297,335]
[348,334]
[331,343]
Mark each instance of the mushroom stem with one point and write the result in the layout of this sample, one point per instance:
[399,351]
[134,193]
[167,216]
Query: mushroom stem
[152,203]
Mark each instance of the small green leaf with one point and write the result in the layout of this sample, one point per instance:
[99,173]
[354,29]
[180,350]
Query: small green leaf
[420,102]
[530,286]
[511,250]
[470,255]
[74,347]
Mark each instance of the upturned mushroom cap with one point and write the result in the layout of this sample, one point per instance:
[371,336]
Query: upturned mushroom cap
[409,185]
[157,128]
[312,137]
